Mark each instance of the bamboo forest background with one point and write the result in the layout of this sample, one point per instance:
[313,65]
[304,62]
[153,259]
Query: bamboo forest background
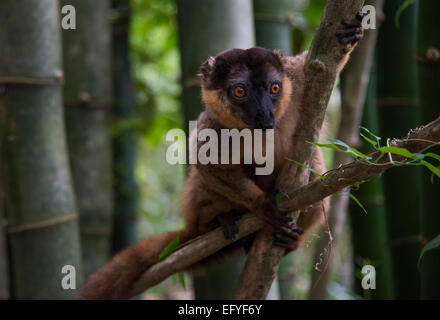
[143,56]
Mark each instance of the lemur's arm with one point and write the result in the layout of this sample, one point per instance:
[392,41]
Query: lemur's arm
[232,182]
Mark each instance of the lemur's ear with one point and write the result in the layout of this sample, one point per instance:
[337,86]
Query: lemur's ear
[279,55]
[207,68]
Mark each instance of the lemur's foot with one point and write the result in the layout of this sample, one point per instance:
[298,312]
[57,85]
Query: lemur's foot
[352,31]
[228,223]
[288,237]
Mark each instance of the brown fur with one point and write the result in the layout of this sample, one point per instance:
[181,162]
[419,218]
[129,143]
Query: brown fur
[211,190]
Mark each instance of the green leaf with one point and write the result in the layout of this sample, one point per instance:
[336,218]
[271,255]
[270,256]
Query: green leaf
[181,277]
[377,138]
[373,143]
[433,169]
[370,133]
[429,246]
[399,11]
[309,169]
[358,202]
[433,155]
[349,151]
[170,248]
[399,151]
[277,198]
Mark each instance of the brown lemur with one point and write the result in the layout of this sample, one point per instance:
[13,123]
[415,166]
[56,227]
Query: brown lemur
[256,89]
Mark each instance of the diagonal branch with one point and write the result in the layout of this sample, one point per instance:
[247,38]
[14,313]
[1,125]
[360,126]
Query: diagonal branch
[336,180]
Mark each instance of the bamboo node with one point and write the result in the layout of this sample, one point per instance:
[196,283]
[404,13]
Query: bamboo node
[42,224]
[55,80]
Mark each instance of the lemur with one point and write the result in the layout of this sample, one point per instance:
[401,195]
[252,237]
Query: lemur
[256,89]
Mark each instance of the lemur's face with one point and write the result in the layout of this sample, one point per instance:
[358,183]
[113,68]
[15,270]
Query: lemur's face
[246,88]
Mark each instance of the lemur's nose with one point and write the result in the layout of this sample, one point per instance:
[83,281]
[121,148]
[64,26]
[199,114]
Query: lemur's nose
[268,122]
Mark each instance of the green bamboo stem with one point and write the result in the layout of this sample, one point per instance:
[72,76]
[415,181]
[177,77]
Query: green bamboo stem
[87,98]
[4,268]
[124,141]
[398,111]
[368,231]
[429,86]
[207,27]
[40,203]
[273,24]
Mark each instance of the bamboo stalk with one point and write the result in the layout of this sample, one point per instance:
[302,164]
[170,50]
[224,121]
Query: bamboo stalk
[87,98]
[428,48]
[273,24]
[124,142]
[398,110]
[369,229]
[40,203]
[4,263]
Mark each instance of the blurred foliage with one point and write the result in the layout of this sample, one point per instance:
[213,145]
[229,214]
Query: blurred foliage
[155,56]
[155,64]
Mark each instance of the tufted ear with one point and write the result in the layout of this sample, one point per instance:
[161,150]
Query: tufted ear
[207,68]
[279,55]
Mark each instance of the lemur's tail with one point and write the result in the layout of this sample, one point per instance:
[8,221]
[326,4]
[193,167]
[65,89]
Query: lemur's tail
[116,279]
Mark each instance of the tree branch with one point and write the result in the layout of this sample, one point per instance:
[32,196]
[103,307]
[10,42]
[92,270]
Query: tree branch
[321,70]
[336,180]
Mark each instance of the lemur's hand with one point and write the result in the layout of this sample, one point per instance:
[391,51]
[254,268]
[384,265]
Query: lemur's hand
[352,31]
[228,222]
[286,232]
[290,239]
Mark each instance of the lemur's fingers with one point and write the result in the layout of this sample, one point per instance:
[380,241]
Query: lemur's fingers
[350,39]
[285,242]
[348,31]
[288,237]
[294,227]
[230,231]
[360,16]
[352,31]
[228,223]
[356,22]
[292,230]
[283,238]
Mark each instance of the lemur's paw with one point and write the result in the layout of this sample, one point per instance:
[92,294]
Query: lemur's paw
[272,216]
[288,237]
[352,31]
[228,223]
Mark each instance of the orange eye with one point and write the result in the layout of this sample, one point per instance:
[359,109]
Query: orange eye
[275,88]
[239,92]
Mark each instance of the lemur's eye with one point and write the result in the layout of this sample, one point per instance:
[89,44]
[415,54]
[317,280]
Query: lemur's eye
[275,88]
[239,92]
